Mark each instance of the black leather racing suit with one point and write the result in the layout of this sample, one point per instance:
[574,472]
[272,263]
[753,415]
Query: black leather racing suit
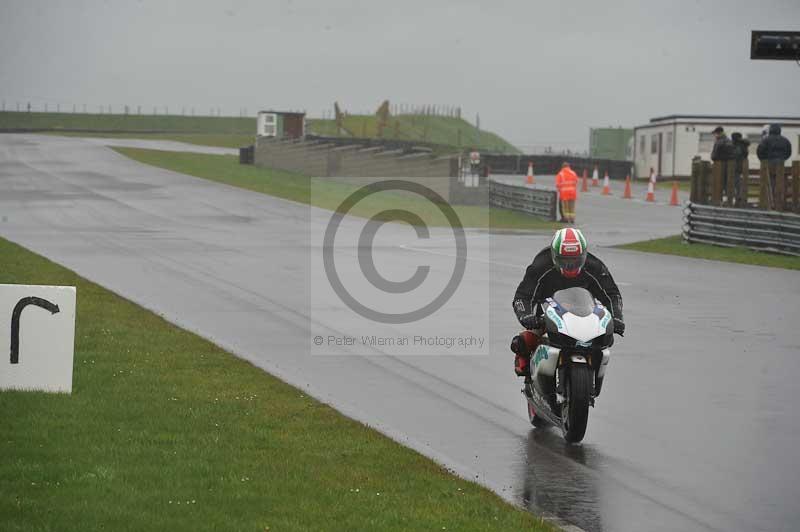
[542,280]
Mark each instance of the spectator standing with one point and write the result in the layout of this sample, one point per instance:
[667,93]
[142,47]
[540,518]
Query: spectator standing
[722,152]
[741,149]
[775,149]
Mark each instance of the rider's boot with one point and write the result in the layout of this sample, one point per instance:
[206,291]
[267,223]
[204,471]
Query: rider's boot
[522,346]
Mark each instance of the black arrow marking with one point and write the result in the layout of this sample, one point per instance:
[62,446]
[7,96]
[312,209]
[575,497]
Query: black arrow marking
[15,316]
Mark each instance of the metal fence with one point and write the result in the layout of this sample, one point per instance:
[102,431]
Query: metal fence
[725,226]
[536,201]
[551,164]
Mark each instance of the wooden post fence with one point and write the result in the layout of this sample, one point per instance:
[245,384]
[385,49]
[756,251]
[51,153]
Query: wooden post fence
[765,191]
[730,182]
[696,184]
[701,182]
[780,186]
[744,182]
[717,175]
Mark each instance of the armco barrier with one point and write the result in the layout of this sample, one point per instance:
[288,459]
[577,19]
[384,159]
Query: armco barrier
[536,201]
[762,230]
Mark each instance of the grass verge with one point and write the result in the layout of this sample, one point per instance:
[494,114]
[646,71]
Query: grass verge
[166,431]
[674,245]
[684,186]
[129,122]
[446,131]
[327,193]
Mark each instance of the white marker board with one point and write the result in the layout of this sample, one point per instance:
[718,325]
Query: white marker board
[37,337]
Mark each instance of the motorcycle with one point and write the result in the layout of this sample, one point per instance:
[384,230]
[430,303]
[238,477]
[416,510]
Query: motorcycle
[569,365]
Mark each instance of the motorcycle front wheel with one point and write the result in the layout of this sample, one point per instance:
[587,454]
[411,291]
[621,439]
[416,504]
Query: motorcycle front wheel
[575,409]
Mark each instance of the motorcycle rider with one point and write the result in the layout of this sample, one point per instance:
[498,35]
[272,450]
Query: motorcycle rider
[564,264]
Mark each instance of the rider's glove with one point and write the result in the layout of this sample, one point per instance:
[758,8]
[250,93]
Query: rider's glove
[529,321]
[619,327]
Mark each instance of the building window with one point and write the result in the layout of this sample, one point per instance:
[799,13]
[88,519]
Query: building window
[668,146]
[706,143]
[654,143]
[641,146]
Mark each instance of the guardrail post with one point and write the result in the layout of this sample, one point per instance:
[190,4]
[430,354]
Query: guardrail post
[780,186]
[796,186]
[730,182]
[717,175]
[764,191]
[744,185]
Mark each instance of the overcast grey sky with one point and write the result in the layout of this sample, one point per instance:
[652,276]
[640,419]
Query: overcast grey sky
[537,72]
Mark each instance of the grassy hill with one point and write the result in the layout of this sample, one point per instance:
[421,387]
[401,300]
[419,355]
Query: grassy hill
[128,123]
[239,131]
[447,131]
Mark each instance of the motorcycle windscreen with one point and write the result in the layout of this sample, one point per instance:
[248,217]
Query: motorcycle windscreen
[576,300]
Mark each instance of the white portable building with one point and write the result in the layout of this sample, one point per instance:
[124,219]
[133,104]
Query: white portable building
[667,144]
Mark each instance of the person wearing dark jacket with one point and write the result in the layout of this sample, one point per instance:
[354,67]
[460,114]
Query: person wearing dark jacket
[722,152]
[565,263]
[741,149]
[775,149]
[723,148]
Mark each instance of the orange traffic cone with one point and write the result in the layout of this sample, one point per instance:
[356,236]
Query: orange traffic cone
[627,194]
[652,175]
[606,185]
[584,187]
[674,199]
[595,177]
[651,195]
[530,179]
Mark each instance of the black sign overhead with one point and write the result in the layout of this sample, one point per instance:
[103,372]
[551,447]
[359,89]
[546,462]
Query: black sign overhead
[775,45]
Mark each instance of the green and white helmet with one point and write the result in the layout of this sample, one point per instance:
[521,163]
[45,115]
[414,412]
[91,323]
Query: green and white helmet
[568,249]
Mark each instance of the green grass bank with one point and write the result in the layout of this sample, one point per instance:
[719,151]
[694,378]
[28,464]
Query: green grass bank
[450,133]
[109,123]
[327,193]
[674,245]
[166,431]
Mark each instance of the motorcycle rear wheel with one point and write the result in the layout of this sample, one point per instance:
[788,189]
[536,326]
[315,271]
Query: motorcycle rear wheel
[575,410]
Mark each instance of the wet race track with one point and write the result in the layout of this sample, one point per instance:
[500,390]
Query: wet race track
[695,429]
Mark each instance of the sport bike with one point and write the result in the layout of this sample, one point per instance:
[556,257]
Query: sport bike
[568,366]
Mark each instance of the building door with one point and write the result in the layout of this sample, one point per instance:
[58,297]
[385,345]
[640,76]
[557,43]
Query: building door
[660,151]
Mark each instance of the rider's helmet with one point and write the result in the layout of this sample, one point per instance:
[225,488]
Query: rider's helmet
[569,252]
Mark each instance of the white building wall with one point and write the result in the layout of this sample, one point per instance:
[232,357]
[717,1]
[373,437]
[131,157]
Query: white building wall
[653,144]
